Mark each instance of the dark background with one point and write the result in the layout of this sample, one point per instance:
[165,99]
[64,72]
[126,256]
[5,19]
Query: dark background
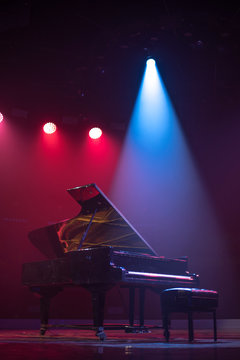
[81,63]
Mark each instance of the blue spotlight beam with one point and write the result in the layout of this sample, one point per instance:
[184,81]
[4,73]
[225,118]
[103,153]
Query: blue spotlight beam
[153,117]
[163,192]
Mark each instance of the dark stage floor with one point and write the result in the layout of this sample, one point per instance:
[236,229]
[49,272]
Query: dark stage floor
[82,344]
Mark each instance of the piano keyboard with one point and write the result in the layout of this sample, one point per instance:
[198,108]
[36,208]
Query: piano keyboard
[139,276]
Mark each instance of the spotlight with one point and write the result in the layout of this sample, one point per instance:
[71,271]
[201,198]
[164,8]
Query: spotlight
[95,133]
[1,117]
[150,62]
[49,128]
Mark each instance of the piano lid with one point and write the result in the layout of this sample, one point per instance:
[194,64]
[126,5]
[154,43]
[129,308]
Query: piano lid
[99,223]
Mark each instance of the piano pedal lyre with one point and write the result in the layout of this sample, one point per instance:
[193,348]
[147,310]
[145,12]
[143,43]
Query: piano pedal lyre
[137,329]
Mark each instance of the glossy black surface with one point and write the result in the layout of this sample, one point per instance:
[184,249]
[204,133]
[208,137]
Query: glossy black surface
[105,265]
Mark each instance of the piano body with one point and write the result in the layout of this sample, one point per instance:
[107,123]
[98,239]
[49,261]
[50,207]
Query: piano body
[98,249]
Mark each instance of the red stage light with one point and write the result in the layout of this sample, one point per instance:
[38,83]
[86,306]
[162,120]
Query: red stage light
[95,133]
[49,128]
[1,117]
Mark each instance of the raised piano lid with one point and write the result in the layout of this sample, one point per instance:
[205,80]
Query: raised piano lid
[99,223]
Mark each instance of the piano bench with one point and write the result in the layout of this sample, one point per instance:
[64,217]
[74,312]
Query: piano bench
[188,300]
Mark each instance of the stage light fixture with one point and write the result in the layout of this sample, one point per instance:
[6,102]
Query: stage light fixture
[49,128]
[150,62]
[95,133]
[1,117]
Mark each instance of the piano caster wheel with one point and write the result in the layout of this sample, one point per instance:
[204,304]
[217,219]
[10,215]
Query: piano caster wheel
[166,335]
[42,331]
[101,334]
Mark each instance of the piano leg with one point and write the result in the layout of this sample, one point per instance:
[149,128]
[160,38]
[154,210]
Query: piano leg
[165,321]
[141,306]
[190,326]
[131,305]
[45,298]
[44,311]
[98,303]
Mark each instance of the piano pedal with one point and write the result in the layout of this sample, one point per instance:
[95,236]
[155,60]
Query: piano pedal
[137,329]
[101,334]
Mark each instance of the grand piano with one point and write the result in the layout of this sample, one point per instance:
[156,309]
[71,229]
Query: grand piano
[99,249]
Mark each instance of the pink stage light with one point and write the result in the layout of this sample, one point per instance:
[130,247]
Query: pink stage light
[1,117]
[95,133]
[49,128]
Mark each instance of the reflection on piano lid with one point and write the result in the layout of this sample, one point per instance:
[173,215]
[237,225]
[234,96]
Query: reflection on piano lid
[98,223]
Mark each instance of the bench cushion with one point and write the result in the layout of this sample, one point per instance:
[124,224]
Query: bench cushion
[185,299]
